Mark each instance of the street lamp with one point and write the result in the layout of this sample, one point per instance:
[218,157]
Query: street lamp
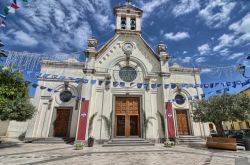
[242,68]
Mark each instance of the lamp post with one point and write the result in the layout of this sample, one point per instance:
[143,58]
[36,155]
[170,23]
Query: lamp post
[242,68]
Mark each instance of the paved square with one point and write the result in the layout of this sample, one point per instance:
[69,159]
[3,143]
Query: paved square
[63,154]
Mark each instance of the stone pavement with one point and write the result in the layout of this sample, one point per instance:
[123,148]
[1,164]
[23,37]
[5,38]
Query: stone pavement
[54,154]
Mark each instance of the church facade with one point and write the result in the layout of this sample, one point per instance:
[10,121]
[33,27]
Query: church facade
[116,90]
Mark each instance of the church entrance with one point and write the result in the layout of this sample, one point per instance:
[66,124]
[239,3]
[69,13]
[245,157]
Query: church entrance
[182,122]
[61,126]
[127,116]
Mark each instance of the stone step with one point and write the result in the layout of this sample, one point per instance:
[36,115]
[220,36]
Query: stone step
[191,139]
[127,142]
[52,140]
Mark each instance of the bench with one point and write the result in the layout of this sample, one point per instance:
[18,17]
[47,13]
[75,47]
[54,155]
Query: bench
[222,143]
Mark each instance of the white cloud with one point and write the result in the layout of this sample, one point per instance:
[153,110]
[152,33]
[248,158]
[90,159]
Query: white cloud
[150,6]
[177,37]
[224,41]
[235,55]
[217,12]
[241,26]
[186,59]
[52,26]
[206,70]
[185,6]
[24,39]
[204,49]
[200,59]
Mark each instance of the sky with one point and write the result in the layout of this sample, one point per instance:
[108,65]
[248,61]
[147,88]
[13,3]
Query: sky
[210,34]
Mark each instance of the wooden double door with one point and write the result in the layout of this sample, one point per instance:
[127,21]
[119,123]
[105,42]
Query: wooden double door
[127,116]
[61,126]
[182,122]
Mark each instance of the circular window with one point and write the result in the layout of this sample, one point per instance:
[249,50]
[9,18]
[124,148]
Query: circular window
[180,99]
[128,74]
[65,96]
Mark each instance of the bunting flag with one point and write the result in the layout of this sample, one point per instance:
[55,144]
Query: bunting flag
[6,10]
[93,82]
[14,6]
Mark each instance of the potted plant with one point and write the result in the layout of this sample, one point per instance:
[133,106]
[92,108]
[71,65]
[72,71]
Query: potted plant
[91,141]
[79,146]
[91,138]
[219,109]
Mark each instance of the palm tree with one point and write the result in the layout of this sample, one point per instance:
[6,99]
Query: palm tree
[91,120]
[146,121]
[108,123]
[163,124]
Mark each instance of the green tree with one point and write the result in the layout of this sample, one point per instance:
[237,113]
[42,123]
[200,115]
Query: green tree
[221,108]
[14,97]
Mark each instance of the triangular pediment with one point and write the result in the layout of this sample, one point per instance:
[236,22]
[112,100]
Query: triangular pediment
[114,49]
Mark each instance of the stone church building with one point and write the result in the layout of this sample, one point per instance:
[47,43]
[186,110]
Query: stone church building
[126,81]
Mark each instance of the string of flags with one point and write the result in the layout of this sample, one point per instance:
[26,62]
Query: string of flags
[100,82]
[9,9]
[145,86]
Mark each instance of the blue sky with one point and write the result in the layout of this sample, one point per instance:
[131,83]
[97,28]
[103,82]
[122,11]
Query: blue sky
[200,33]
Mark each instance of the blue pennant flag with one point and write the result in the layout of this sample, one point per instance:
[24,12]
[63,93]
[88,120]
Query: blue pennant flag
[211,85]
[166,86]
[71,78]
[139,85]
[173,86]
[189,97]
[49,89]
[216,84]
[45,76]
[107,82]
[153,86]
[62,78]
[85,81]
[73,97]
[54,76]
[93,82]
[78,98]
[219,91]
[78,80]
[228,83]
[42,87]
[223,84]
[100,82]
[196,97]
[146,86]
[122,84]
[159,85]
[83,99]
[115,84]
[35,85]
[238,82]
[206,85]
[234,84]
[226,90]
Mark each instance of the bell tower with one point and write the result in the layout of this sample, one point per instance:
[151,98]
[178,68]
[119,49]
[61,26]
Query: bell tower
[128,18]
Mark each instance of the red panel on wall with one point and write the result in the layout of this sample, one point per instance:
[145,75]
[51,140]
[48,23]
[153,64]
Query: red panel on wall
[170,120]
[82,125]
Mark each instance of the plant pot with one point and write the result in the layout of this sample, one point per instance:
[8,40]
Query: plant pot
[222,143]
[90,142]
